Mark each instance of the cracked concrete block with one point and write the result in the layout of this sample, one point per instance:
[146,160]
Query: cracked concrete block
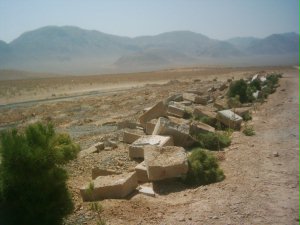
[129,136]
[165,162]
[199,127]
[179,132]
[136,149]
[109,187]
[204,111]
[141,172]
[230,119]
[177,111]
[160,109]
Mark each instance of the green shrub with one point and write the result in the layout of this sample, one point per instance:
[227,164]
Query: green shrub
[32,184]
[247,116]
[213,141]
[203,168]
[238,88]
[249,131]
[208,120]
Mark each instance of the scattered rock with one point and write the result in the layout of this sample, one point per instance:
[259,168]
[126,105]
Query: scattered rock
[275,154]
[160,109]
[230,119]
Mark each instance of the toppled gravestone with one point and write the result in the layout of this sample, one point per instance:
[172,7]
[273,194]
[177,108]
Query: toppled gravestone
[221,104]
[130,136]
[160,109]
[93,149]
[175,98]
[141,172]
[179,132]
[112,186]
[136,149]
[175,110]
[165,162]
[204,111]
[241,111]
[196,98]
[150,125]
[197,127]
[230,119]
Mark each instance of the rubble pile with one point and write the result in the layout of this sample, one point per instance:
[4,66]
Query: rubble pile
[159,139]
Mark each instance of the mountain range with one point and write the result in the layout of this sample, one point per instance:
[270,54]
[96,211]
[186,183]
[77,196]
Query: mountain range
[74,50]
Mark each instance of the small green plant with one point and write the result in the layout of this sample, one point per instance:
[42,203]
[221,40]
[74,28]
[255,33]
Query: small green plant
[247,116]
[249,130]
[213,141]
[97,208]
[205,119]
[203,168]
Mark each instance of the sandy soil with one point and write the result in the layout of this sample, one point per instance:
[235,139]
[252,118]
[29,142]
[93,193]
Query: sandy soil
[259,188]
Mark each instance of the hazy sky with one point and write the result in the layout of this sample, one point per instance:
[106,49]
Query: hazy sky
[220,19]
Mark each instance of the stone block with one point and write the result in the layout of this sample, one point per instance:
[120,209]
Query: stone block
[109,187]
[201,111]
[221,104]
[165,162]
[175,98]
[241,111]
[97,172]
[146,190]
[179,132]
[129,137]
[160,109]
[199,127]
[230,119]
[150,125]
[141,172]
[136,149]
[177,111]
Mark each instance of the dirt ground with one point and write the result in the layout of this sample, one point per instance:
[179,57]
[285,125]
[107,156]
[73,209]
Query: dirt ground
[259,187]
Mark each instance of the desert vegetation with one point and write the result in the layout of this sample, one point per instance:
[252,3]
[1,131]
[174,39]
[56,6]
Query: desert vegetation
[33,186]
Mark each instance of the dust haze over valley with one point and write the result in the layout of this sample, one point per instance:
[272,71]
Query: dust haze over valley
[72,50]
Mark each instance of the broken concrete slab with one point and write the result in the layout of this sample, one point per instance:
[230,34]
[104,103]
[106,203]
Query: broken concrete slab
[201,111]
[88,151]
[108,187]
[241,111]
[160,109]
[230,119]
[97,172]
[197,127]
[179,132]
[165,162]
[196,98]
[221,104]
[136,149]
[175,98]
[141,172]
[175,110]
[150,125]
[146,190]
[129,136]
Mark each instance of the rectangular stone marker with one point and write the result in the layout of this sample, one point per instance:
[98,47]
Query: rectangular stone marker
[150,125]
[199,127]
[160,109]
[179,132]
[174,110]
[165,162]
[230,119]
[136,150]
[108,187]
[204,111]
[141,172]
[130,137]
